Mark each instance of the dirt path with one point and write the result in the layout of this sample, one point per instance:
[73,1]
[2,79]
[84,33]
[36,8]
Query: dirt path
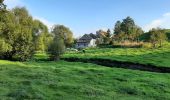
[120,64]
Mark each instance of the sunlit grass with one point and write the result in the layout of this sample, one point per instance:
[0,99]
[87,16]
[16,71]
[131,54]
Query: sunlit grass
[158,56]
[69,81]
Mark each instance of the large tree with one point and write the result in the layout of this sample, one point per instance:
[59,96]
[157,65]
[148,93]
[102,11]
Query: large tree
[128,25]
[42,36]
[108,34]
[130,30]
[65,33]
[107,37]
[23,45]
[17,32]
[4,47]
[2,5]
[117,28]
[157,36]
[57,47]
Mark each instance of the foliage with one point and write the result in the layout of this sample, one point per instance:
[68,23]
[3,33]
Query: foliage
[22,35]
[57,47]
[167,31]
[65,33]
[128,25]
[42,36]
[117,29]
[4,47]
[107,38]
[157,36]
[103,37]
[2,6]
[127,30]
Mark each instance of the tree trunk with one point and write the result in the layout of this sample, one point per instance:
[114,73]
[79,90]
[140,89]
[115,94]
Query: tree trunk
[57,58]
[160,43]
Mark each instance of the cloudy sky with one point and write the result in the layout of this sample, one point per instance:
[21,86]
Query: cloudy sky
[85,16]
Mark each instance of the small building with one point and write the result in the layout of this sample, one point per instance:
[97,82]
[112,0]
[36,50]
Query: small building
[85,41]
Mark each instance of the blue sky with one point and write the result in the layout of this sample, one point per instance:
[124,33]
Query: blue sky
[85,16]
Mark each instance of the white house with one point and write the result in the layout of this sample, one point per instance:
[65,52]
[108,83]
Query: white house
[86,41]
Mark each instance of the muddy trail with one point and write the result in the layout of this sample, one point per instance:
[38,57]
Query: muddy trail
[121,64]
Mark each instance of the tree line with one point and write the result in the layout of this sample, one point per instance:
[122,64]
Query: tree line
[21,35]
[127,31]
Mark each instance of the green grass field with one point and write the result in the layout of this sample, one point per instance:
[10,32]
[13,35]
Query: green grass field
[78,81]
[157,57]
[40,79]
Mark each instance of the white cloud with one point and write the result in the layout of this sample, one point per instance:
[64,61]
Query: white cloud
[163,22]
[13,3]
[45,21]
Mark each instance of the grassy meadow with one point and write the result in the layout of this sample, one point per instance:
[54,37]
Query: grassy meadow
[78,81]
[158,57]
[40,79]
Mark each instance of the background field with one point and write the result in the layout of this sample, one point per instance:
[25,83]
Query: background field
[158,57]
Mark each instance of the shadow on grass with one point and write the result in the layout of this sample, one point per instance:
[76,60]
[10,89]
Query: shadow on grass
[127,64]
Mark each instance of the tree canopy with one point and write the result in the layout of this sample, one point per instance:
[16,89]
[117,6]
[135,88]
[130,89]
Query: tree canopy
[127,29]
[18,34]
[157,35]
[57,46]
[65,33]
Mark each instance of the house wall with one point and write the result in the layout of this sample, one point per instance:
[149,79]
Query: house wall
[85,45]
[92,43]
[81,45]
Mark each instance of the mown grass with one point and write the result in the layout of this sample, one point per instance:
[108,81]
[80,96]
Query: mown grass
[157,57]
[78,81]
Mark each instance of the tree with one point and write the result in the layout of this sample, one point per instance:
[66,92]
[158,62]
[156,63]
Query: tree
[23,45]
[57,47]
[41,36]
[139,32]
[117,28]
[20,35]
[108,34]
[157,36]
[17,33]
[65,33]
[39,44]
[128,25]
[2,5]
[4,47]
[107,37]
[129,28]
[7,31]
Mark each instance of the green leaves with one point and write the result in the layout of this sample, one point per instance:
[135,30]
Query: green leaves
[2,5]
[65,33]
[4,47]
[127,30]
[157,36]
[16,32]
[57,47]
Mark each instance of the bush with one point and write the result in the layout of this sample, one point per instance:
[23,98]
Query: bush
[147,45]
[56,49]
[4,47]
